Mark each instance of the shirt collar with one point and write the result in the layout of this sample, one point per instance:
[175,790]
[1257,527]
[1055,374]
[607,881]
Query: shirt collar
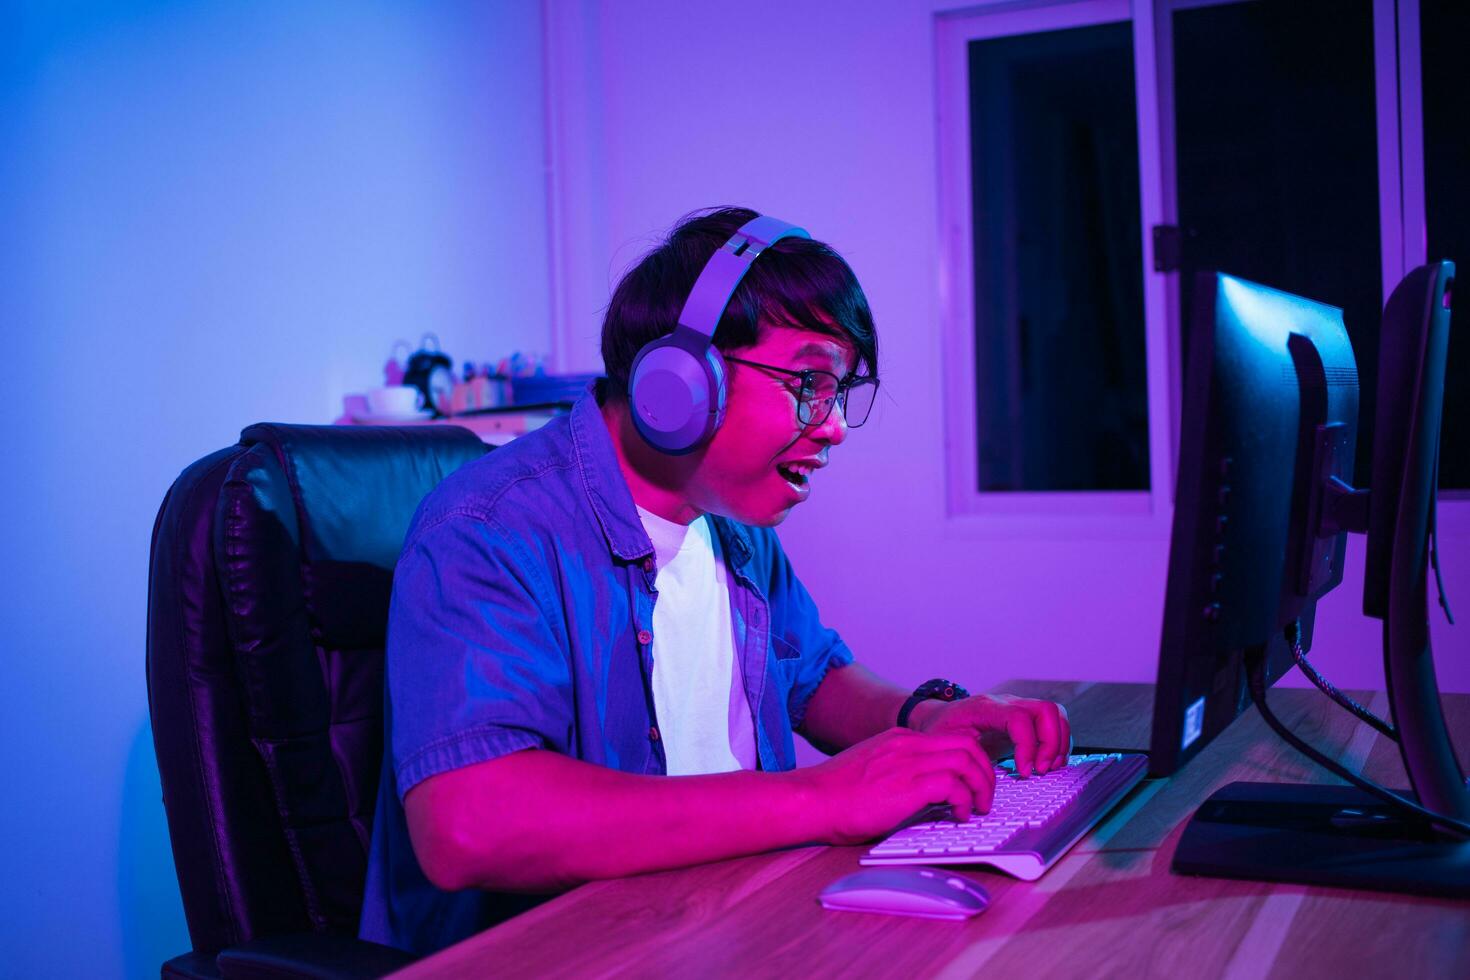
[734,538]
[602,479]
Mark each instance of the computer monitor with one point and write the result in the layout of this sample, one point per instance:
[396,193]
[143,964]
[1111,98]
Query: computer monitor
[1269,377]
[1402,545]
[1263,505]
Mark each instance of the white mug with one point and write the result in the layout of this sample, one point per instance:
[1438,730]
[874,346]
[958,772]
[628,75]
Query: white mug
[395,400]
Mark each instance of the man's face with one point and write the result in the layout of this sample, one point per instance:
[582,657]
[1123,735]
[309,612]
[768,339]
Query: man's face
[762,460]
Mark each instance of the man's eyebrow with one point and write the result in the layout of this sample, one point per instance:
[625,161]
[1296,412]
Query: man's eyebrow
[824,351]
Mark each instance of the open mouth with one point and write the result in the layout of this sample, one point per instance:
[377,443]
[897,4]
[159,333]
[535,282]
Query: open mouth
[796,474]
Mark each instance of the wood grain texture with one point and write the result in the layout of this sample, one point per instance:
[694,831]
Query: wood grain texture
[1108,908]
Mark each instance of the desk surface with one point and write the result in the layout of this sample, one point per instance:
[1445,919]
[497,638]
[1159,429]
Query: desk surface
[1109,907]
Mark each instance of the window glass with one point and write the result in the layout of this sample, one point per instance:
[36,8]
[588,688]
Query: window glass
[1277,159]
[1444,29]
[1061,393]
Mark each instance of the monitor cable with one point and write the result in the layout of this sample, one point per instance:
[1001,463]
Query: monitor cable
[1294,639]
[1256,676]
[1444,599]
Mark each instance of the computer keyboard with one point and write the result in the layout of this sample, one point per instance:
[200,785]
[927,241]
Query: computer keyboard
[1032,823]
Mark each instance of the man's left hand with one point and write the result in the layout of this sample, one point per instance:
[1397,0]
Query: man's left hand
[1037,731]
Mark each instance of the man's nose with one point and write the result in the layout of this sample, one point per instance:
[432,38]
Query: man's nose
[833,429]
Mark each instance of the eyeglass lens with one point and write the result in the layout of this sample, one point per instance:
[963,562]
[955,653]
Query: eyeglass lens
[819,392]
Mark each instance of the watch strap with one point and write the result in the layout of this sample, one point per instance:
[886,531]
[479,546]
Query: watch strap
[908,708]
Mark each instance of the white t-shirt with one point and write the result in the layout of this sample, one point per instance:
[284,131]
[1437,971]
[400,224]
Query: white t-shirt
[704,719]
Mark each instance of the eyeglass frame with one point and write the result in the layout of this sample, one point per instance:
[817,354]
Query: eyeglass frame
[806,375]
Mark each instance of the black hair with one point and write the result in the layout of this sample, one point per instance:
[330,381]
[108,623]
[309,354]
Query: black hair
[797,282]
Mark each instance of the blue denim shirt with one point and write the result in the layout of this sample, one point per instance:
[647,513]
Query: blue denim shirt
[522,617]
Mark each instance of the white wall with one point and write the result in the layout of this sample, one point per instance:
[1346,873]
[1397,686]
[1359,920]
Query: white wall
[211,214]
[824,113]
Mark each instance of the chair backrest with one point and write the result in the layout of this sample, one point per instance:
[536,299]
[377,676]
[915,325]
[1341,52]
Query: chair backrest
[268,588]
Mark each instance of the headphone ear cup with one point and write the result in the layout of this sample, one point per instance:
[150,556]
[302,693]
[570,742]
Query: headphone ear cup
[677,396]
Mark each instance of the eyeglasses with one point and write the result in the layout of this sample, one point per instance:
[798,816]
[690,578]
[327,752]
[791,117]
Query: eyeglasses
[820,390]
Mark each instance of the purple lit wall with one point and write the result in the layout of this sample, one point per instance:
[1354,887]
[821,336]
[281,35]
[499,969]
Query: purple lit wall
[210,214]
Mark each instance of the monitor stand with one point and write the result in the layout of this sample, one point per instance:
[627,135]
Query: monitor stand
[1320,835]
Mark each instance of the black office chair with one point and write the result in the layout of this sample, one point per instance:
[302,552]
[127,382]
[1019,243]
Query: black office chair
[268,589]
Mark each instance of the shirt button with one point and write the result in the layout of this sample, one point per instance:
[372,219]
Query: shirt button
[653,733]
[648,564]
[645,637]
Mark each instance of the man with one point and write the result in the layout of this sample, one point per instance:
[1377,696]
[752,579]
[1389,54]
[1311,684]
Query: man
[598,652]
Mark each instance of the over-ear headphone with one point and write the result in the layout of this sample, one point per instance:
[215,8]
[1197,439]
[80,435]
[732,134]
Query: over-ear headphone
[677,386]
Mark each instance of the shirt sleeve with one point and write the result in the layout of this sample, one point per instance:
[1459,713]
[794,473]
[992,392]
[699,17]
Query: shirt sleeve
[476,663]
[797,634]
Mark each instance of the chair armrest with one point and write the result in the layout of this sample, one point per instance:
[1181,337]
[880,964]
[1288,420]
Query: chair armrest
[191,966]
[310,956]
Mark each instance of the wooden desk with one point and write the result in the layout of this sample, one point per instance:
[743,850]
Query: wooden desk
[1108,908]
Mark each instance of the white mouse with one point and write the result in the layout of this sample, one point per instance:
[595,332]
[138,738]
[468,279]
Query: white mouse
[921,892]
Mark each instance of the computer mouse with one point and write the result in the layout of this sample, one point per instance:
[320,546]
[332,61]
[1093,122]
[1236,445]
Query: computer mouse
[922,892]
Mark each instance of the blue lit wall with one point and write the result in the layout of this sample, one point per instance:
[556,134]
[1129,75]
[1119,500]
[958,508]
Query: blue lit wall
[210,214]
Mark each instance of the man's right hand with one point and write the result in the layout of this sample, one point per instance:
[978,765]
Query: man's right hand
[869,789]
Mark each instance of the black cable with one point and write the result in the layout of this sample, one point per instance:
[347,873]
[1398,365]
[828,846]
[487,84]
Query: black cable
[1256,675]
[1444,599]
[1294,638]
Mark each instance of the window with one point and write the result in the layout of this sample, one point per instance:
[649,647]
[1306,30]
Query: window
[1276,141]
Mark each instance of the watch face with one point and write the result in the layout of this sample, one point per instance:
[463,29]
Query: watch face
[941,690]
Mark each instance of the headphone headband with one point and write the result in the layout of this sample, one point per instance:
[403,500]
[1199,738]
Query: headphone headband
[724,270]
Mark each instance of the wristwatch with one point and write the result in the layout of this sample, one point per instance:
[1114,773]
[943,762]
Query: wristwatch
[938,689]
